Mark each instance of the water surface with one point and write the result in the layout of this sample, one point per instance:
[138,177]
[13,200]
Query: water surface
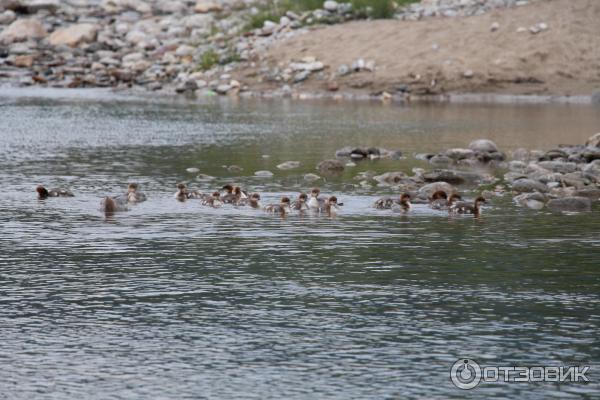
[174,300]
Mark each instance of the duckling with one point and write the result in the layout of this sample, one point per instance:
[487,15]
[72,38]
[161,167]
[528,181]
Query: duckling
[387,203]
[282,208]
[213,201]
[44,193]
[438,200]
[182,193]
[331,206]
[110,205]
[132,195]
[403,205]
[254,201]
[315,202]
[234,194]
[300,204]
[467,208]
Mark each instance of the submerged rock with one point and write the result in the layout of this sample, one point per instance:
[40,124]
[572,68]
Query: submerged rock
[570,204]
[263,174]
[390,178]
[330,166]
[311,177]
[289,165]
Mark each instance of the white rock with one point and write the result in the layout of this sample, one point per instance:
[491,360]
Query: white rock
[494,27]
[206,6]
[23,29]
[192,170]
[7,17]
[330,5]
[289,165]
[74,35]
[263,174]
[184,50]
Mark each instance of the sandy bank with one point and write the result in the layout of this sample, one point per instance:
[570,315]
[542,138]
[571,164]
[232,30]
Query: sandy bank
[451,55]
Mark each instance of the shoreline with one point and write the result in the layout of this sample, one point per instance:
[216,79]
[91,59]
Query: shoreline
[450,98]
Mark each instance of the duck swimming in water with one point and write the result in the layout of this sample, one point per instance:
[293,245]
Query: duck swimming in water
[183,194]
[438,200]
[133,195]
[282,208]
[387,203]
[315,202]
[110,205]
[331,206]
[213,201]
[300,204]
[44,193]
[468,208]
[254,201]
[403,205]
[234,194]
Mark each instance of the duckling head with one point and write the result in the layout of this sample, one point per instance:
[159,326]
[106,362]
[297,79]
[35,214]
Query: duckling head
[132,187]
[315,192]
[302,197]
[439,194]
[42,192]
[228,188]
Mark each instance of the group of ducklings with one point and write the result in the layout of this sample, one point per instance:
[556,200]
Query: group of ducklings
[439,200]
[236,196]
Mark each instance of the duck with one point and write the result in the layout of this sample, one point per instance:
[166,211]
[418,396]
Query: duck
[182,193]
[315,202]
[282,208]
[468,208]
[234,194]
[44,193]
[110,205]
[403,205]
[213,201]
[438,200]
[300,204]
[331,206]
[387,203]
[133,195]
[254,200]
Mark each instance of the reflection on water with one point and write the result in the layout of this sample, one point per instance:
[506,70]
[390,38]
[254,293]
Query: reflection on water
[175,300]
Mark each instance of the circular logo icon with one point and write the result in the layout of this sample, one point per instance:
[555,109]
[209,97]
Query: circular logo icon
[465,374]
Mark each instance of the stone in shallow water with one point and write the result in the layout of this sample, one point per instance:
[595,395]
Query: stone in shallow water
[311,177]
[330,166]
[528,185]
[192,170]
[263,174]
[483,145]
[535,201]
[288,165]
[570,204]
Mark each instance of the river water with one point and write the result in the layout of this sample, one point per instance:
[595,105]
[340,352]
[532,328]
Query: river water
[174,300]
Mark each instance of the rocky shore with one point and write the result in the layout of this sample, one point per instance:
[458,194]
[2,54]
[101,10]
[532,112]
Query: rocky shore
[203,46]
[564,179]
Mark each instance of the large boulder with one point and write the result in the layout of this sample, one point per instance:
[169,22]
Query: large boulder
[570,204]
[23,29]
[558,166]
[528,185]
[74,35]
[483,146]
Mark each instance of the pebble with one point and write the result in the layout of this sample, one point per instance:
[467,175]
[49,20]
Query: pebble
[288,165]
[263,174]
[192,170]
